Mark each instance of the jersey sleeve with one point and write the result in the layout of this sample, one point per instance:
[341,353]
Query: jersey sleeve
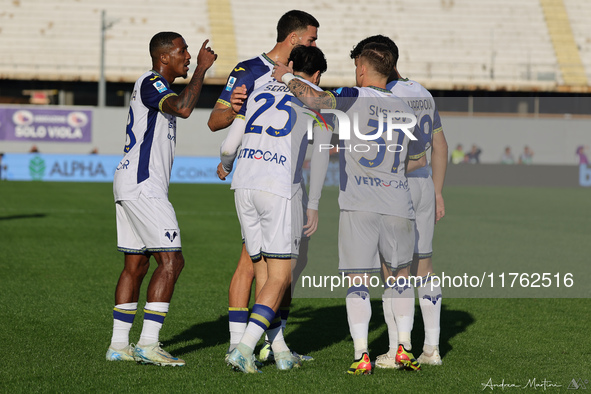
[437,127]
[344,98]
[418,148]
[155,91]
[229,147]
[240,75]
[318,165]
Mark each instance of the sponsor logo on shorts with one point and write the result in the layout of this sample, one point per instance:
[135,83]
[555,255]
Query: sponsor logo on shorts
[171,234]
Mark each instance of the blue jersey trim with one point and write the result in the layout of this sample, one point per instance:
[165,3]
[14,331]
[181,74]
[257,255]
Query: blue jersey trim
[143,168]
[297,178]
[245,73]
[342,164]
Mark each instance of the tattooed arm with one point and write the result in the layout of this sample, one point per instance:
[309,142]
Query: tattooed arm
[183,104]
[313,98]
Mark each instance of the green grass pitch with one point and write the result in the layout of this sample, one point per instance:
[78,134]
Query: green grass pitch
[59,266]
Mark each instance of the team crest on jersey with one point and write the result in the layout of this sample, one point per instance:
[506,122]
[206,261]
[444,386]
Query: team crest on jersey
[230,84]
[160,87]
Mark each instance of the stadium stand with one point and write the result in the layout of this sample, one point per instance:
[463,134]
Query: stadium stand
[579,15]
[526,45]
[60,39]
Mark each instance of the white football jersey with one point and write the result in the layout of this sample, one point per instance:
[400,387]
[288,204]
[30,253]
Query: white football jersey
[274,141]
[150,144]
[252,73]
[373,172]
[421,101]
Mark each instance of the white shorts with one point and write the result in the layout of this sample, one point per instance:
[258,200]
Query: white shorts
[304,203]
[298,218]
[265,220]
[147,225]
[422,192]
[363,234]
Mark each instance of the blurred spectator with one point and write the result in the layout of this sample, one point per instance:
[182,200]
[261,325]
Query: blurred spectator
[457,156]
[582,156]
[507,157]
[527,157]
[94,151]
[34,149]
[473,157]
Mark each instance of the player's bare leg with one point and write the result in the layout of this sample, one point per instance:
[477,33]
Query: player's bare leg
[130,281]
[170,265]
[239,297]
[241,283]
[274,334]
[277,281]
[261,274]
[160,290]
[297,268]
[430,303]
[264,314]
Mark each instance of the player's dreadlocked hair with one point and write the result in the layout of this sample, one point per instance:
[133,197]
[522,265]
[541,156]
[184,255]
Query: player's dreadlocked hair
[162,41]
[379,57]
[294,20]
[307,60]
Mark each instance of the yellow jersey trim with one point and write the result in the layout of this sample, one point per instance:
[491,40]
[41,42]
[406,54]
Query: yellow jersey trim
[164,98]
[227,104]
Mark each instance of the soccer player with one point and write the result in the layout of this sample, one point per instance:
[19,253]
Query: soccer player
[427,198]
[375,202]
[146,221]
[272,129]
[294,28]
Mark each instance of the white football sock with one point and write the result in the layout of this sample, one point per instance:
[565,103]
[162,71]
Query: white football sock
[390,321]
[403,306]
[236,331]
[358,315]
[120,338]
[277,340]
[430,303]
[251,336]
[154,314]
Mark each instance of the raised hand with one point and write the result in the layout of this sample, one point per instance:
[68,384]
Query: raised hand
[206,56]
